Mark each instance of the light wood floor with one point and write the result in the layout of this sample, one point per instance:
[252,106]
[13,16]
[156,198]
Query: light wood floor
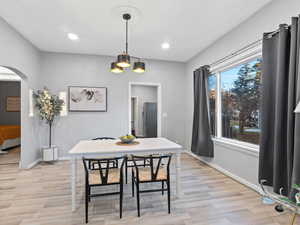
[12,156]
[41,196]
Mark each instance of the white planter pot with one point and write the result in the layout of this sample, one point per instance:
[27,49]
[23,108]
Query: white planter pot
[50,153]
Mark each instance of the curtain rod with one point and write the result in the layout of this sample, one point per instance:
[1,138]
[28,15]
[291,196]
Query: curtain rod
[233,54]
[243,49]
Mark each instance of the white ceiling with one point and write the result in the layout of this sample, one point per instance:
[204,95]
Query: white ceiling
[188,25]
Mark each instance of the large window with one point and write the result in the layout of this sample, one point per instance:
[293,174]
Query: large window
[238,105]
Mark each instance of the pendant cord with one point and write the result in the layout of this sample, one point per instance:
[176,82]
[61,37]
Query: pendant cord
[127,37]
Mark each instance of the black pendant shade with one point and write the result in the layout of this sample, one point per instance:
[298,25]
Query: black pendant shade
[123,60]
[139,67]
[114,68]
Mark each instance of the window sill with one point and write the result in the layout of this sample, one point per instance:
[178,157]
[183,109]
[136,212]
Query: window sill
[249,149]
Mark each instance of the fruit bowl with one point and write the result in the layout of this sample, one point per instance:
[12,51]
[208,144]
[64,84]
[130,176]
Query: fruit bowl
[127,139]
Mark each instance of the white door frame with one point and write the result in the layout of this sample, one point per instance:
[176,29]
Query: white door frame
[20,77]
[159,104]
[136,121]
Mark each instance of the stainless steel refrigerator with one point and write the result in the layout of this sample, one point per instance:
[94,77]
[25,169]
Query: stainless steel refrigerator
[150,119]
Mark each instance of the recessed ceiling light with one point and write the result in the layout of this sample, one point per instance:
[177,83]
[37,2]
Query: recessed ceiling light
[165,45]
[73,37]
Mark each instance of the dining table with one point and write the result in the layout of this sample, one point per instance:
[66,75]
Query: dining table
[113,148]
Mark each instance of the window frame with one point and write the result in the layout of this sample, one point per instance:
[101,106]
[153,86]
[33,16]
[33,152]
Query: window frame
[215,125]
[218,120]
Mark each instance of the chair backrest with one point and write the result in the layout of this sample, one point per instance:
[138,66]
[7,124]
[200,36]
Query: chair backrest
[103,167]
[103,138]
[155,162]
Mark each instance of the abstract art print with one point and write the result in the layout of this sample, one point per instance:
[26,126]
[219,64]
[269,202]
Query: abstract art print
[87,99]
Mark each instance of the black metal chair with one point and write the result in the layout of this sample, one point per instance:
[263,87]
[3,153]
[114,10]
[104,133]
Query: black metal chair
[130,164]
[103,176]
[158,170]
[93,165]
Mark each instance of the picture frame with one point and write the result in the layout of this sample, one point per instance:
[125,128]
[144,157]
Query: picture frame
[87,99]
[13,104]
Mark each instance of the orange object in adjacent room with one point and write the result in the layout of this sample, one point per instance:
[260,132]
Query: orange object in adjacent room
[9,132]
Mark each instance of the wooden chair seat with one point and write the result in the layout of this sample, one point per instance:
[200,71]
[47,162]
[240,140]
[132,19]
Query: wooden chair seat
[145,174]
[113,176]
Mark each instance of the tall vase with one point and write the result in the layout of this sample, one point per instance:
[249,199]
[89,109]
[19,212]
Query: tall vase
[50,152]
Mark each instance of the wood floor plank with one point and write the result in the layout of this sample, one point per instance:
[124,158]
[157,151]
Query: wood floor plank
[41,196]
[12,156]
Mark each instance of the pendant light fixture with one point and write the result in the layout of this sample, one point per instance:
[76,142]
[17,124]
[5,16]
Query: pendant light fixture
[123,60]
[115,68]
[139,67]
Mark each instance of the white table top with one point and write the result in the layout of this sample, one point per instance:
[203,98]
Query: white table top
[109,146]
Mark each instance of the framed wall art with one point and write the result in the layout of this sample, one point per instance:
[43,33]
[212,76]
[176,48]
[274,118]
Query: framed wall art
[13,104]
[87,99]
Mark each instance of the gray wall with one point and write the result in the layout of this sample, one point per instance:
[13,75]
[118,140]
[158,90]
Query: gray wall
[235,159]
[58,71]
[9,88]
[20,55]
[62,70]
[144,94]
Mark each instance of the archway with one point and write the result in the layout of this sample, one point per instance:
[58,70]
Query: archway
[11,82]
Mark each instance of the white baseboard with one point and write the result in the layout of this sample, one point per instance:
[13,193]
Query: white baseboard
[40,160]
[227,173]
[33,164]
[64,158]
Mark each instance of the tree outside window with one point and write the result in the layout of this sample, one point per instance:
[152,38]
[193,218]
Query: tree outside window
[240,95]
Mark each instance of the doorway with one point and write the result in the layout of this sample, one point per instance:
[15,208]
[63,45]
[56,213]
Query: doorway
[145,110]
[10,117]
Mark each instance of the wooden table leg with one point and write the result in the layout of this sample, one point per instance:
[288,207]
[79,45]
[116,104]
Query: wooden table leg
[73,181]
[178,182]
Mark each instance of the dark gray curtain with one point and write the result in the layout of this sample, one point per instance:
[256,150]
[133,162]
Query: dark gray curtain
[202,144]
[279,160]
